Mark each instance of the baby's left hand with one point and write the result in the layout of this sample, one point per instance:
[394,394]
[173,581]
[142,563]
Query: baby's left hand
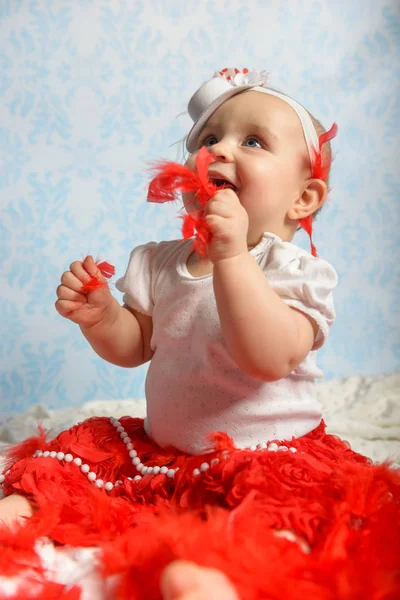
[228,223]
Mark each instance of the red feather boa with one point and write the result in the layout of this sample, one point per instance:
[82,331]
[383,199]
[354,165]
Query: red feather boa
[346,509]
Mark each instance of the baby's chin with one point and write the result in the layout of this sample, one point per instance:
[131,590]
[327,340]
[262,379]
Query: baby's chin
[190,201]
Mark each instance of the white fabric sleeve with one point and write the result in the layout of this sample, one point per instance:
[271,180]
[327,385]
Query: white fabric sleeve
[136,284]
[306,283]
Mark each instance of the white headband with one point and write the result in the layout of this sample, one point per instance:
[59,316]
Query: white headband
[226,84]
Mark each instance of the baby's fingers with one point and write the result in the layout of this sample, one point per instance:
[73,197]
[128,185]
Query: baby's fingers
[74,280]
[66,307]
[93,268]
[66,292]
[87,274]
[84,270]
[68,300]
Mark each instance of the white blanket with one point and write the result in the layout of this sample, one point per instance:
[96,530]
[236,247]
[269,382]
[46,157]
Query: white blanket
[365,411]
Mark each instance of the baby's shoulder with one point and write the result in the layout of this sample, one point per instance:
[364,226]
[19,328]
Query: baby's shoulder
[278,253]
[160,254]
[281,255]
[165,250]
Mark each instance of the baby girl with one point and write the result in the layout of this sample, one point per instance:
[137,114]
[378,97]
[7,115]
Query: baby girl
[232,339]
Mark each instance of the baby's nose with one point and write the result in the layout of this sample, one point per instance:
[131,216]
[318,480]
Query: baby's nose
[221,152]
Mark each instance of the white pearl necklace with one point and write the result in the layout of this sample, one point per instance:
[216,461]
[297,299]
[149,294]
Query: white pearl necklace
[136,462]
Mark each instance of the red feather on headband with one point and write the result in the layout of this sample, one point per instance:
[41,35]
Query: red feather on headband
[171,179]
[320,170]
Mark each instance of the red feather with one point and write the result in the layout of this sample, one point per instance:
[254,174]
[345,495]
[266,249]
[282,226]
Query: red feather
[320,170]
[172,179]
[94,283]
[106,269]
[20,450]
[188,226]
[307,225]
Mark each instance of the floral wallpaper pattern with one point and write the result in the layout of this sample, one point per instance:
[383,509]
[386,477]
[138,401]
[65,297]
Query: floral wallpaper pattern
[90,93]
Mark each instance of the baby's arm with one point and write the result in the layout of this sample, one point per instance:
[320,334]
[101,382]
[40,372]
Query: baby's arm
[123,337]
[266,338]
[118,334]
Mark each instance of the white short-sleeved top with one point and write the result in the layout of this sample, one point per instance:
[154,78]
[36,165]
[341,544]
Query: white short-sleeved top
[193,386]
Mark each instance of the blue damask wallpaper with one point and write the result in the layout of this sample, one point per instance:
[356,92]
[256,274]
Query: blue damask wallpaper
[90,93]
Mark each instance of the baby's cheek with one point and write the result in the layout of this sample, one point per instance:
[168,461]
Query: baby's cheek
[191,162]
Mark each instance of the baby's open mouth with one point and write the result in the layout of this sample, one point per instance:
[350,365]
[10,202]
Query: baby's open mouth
[223,183]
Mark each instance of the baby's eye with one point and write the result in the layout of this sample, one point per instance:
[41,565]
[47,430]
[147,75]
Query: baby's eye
[253,142]
[210,140]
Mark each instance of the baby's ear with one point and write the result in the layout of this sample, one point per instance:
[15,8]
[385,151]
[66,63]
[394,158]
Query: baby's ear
[311,199]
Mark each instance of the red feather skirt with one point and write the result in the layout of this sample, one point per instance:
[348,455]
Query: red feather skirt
[343,507]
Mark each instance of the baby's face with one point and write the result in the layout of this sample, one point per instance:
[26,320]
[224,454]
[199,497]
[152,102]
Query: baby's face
[259,147]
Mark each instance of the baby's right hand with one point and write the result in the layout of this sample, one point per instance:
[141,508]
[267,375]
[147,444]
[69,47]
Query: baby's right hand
[85,308]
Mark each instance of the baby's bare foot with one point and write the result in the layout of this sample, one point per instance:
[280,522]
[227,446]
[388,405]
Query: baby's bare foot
[13,509]
[184,580]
